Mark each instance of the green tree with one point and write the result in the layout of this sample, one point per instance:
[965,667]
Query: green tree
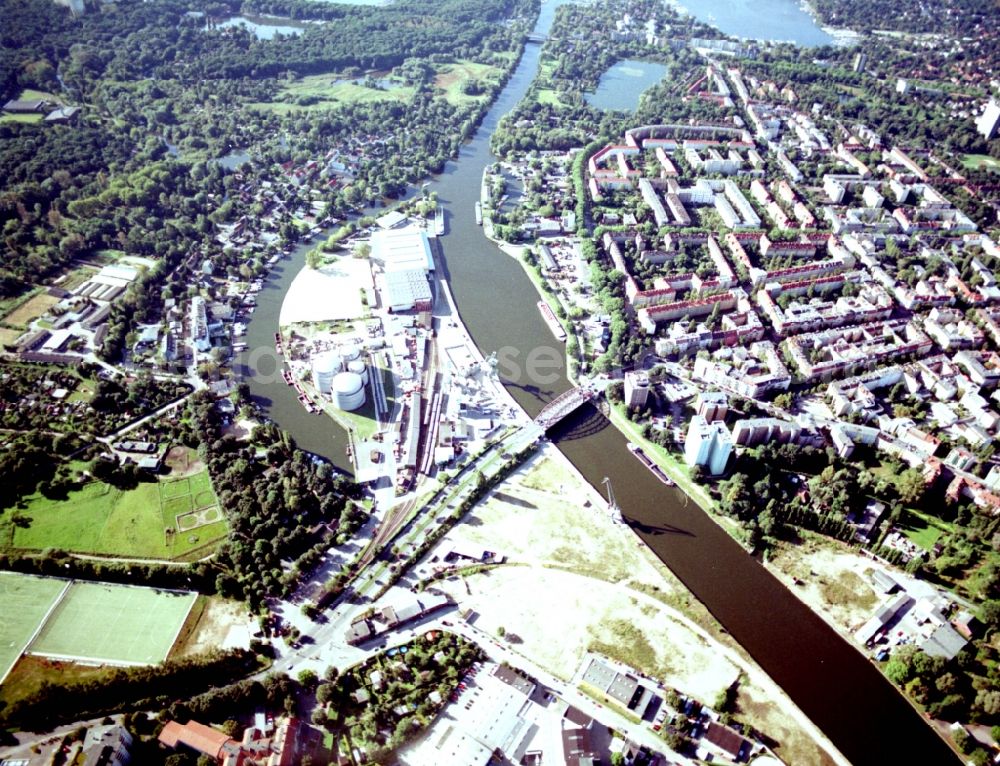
[911,486]
[308,679]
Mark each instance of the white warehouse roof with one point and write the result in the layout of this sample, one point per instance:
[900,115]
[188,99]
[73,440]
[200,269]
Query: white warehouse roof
[402,250]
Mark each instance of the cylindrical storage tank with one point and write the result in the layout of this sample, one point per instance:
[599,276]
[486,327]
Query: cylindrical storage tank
[359,367]
[325,366]
[350,353]
[347,391]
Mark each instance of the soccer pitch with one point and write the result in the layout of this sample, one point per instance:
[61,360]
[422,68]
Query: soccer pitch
[115,624]
[24,602]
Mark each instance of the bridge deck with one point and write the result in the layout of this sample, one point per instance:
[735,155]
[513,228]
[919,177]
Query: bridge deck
[562,405]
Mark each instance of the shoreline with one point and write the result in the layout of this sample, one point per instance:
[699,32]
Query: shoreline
[684,485]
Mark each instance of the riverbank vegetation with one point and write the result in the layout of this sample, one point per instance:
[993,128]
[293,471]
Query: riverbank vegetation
[166,96]
[962,18]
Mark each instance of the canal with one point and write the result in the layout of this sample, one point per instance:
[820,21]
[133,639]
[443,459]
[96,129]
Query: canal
[831,681]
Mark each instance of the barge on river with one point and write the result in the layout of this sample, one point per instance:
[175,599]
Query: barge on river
[636,450]
[552,321]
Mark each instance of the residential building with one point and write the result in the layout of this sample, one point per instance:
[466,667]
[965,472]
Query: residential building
[199,324]
[988,122]
[751,371]
[107,747]
[707,445]
[198,738]
[713,406]
[636,389]
[751,432]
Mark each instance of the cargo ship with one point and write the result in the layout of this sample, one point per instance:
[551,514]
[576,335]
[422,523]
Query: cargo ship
[552,321]
[479,214]
[636,450]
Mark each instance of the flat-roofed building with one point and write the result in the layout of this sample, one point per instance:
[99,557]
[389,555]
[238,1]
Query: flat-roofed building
[707,445]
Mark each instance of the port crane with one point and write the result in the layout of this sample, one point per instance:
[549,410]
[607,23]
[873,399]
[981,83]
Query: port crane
[616,512]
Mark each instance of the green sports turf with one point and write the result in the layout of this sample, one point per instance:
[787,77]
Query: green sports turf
[100,519]
[177,488]
[176,505]
[24,600]
[114,623]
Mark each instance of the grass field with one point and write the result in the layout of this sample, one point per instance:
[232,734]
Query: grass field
[980,161]
[30,310]
[136,523]
[324,91]
[548,96]
[923,530]
[8,336]
[7,305]
[120,624]
[30,94]
[24,601]
[28,118]
[28,676]
[545,95]
[452,78]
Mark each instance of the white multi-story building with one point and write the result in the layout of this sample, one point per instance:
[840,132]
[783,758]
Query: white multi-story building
[636,389]
[707,445]
[199,324]
[989,121]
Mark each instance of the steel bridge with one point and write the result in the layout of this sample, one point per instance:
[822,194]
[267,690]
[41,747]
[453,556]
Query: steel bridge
[561,406]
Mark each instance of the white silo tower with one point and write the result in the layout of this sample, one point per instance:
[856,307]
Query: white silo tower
[325,367]
[347,391]
[358,367]
[350,352]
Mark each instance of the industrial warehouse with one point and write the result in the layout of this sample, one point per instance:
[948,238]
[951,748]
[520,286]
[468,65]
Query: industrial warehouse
[371,341]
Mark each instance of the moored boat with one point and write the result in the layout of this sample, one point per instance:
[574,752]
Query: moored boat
[552,321]
[636,450]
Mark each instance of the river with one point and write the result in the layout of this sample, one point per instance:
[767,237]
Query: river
[833,683]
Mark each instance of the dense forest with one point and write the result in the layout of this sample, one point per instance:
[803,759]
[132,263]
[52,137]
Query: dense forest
[955,17]
[160,39]
[152,74]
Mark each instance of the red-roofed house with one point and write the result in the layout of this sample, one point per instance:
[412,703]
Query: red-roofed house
[196,736]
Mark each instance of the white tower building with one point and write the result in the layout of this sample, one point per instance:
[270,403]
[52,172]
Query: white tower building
[707,445]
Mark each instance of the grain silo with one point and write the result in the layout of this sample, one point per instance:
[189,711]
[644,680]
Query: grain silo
[347,391]
[359,367]
[325,366]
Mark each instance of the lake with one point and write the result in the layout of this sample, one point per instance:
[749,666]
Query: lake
[778,20]
[265,27]
[233,160]
[623,84]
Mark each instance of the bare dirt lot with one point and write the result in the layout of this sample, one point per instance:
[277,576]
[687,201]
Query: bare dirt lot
[834,580]
[30,310]
[575,574]
[221,624]
[183,461]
